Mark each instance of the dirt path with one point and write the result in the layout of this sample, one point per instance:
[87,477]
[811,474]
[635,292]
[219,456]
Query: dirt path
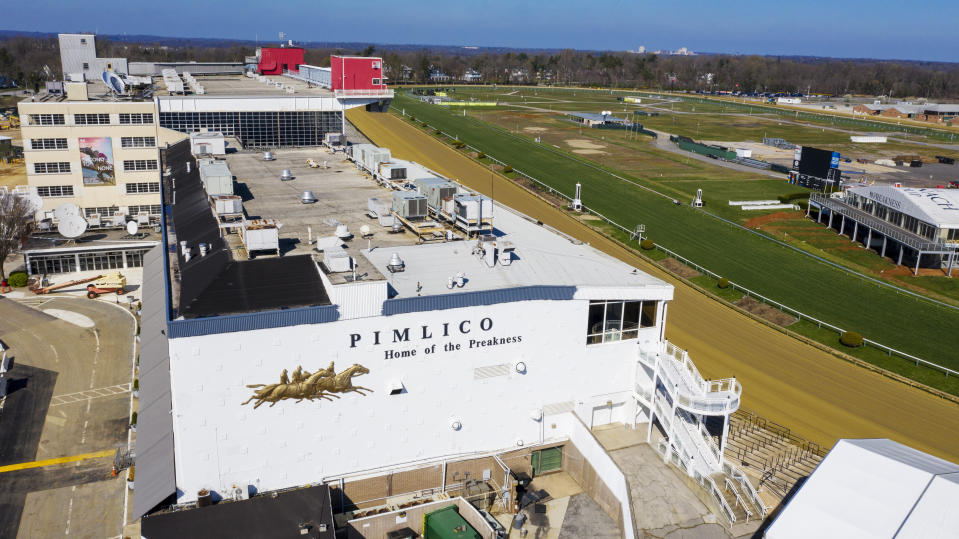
[817,395]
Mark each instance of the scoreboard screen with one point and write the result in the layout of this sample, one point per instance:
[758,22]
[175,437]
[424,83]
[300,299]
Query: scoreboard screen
[815,162]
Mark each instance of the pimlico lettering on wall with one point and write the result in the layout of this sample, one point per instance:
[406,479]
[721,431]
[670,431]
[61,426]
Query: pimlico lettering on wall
[428,332]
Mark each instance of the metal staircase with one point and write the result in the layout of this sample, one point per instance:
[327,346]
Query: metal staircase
[672,390]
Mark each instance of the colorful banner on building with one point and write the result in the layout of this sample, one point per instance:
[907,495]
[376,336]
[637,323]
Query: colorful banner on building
[96,161]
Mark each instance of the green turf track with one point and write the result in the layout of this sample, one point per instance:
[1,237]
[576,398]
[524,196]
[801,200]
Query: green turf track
[908,324]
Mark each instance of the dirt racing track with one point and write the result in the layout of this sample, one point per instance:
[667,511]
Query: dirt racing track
[814,393]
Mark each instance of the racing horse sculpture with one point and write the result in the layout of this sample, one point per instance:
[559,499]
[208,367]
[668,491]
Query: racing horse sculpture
[322,384]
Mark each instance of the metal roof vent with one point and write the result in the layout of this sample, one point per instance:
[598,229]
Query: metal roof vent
[286,175]
[268,156]
[396,263]
[343,232]
[307,197]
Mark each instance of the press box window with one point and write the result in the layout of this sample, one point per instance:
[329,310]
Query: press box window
[46,119]
[55,191]
[48,144]
[143,187]
[610,321]
[133,165]
[51,168]
[376,82]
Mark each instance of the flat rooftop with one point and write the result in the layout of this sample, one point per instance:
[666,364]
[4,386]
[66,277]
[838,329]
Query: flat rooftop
[542,256]
[243,86]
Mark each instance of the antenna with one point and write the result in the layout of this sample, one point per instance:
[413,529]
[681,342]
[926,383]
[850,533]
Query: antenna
[72,227]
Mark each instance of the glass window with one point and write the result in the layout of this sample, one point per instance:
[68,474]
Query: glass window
[616,320]
[631,310]
[648,318]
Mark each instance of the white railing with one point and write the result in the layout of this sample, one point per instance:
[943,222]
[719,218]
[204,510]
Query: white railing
[385,92]
[670,454]
[747,487]
[799,314]
[693,393]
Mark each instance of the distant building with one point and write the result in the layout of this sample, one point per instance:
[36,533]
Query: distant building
[471,75]
[915,225]
[278,60]
[438,75]
[929,112]
[79,61]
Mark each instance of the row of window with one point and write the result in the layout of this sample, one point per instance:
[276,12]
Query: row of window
[894,217]
[48,144]
[133,210]
[91,119]
[138,142]
[143,187]
[61,143]
[41,265]
[55,191]
[260,129]
[61,167]
[139,164]
[134,118]
[615,320]
[52,191]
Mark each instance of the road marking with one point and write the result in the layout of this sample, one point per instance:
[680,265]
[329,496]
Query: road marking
[81,396]
[58,460]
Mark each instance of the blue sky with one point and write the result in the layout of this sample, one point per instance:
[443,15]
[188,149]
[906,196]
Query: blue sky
[925,30]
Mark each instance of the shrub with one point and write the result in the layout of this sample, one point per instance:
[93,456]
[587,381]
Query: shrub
[412,118]
[723,283]
[786,199]
[459,145]
[425,124]
[647,244]
[136,384]
[480,155]
[133,419]
[851,339]
[131,474]
[437,131]
[507,169]
[17,279]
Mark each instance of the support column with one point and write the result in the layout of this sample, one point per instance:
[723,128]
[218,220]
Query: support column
[722,441]
[901,249]
[842,225]
[884,238]
[869,239]
[819,216]
[952,257]
[918,259]
[855,230]
[808,209]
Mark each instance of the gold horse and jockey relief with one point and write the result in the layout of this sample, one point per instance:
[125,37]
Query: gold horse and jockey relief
[304,385]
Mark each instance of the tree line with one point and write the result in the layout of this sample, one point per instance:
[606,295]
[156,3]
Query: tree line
[22,59]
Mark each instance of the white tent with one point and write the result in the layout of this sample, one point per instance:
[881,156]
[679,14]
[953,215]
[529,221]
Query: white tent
[873,488]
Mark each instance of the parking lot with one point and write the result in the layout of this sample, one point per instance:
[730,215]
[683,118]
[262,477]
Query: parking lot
[66,413]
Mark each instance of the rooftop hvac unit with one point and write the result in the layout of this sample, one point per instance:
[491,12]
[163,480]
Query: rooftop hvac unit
[392,171]
[268,156]
[435,190]
[228,205]
[286,175]
[307,197]
[473,207]
[337,261]
[409,205]
[380,209]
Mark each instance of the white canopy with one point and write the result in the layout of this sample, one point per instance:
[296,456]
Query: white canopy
[938,207]
[873,488]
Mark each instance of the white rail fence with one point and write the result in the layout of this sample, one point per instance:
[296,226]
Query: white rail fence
[784,308]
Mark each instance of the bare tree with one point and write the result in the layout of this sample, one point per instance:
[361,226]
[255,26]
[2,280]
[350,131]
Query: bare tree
[16,223]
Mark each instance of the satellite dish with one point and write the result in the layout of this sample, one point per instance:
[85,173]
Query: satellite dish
[113,82]
[65,210]
[132,227]
[72,226]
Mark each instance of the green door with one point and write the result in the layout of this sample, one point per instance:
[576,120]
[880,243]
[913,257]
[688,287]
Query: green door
[547,460]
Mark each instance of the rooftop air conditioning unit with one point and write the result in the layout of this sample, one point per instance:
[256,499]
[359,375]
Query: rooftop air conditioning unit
[435,190]
[337,261]
[409,205]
